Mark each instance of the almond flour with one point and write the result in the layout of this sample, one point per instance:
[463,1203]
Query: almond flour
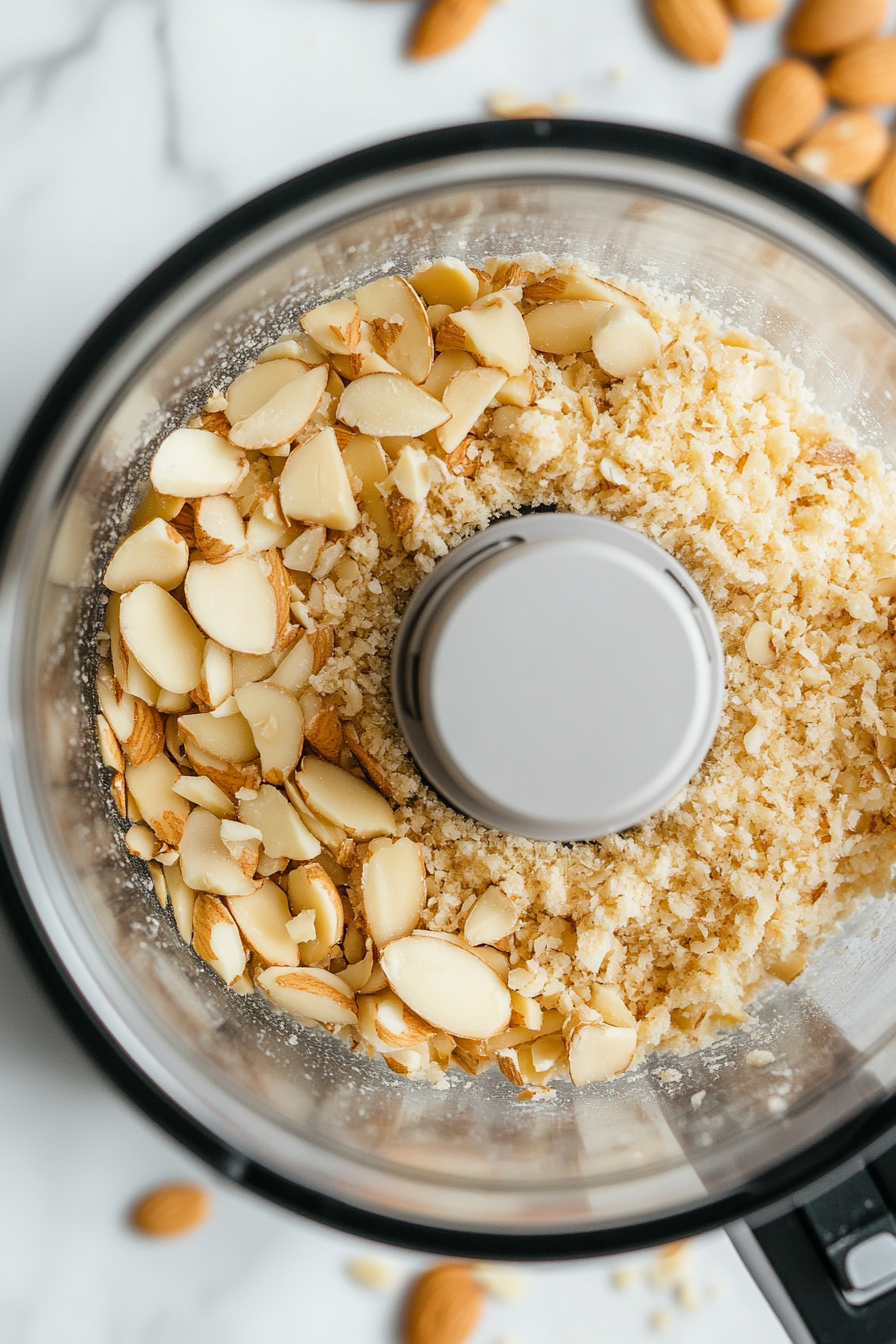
[246,713]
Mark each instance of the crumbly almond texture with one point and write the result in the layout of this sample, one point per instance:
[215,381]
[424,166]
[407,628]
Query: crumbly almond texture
[711,446]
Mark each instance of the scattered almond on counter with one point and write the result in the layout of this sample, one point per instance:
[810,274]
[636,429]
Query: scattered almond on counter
[444,24]
[822,27]
[783,105]
[864,75]
[443,1307]
[171,1210]
[698,30]
[849,147]
[754,11]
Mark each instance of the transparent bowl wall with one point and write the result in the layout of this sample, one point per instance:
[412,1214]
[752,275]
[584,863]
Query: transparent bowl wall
[297,1104]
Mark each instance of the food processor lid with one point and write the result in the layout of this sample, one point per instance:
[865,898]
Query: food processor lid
[558,676]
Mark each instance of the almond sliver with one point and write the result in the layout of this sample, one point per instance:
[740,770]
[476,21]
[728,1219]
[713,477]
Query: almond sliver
[155,553]
[284,834]
[335,326]
[447,985]
[287,412]
[399,325]
[495,332]
[195,462]
[341,797]
[234,603]
[277,725]
[309,993]
[598,1051]
[205,862]
[393,888]
[565,327]
[314,485]
[447,281]
[216,938]
[386,404]
[311,888]
[162,636]
[466,397]
[255,388]
[262,918]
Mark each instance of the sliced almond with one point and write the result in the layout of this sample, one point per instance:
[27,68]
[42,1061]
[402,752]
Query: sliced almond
[255,388]
[216,938]
[119,791]
[204,793]
[206,864]
[311,888]
[525,1012]
[155,553]
[128,673]
[361,361]
[234,603]
[577,284]
[518,391]
[162,637]
[275,719]
[565,327]
[323,727]
[494,331]
[491,918]
[169,703]
[183,899]
[388,404]
[152,786]
[284,834]
[342,798]
[410,475]
[447,364]
[369,764]
[447,985]
[314,486]
[230,738]
[388,1024]
[287,347]
[137,726]
[304,552]
[393,890]
[285,415]
[365,459]
[249,667]
[758,644]
[293,671]
[334,326]
[141,842]
[218,529]
[264,533]
[399,325]
[194,462]
[155,505]
[309,993]
[228,776]
[612,1007]
[262,918]
[110,751]
[216,677]
[302,928]
[625,344]
[447,281]
[466,397]
[598,1051]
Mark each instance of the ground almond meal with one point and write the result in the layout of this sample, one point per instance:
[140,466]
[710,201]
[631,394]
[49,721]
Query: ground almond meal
[245,709]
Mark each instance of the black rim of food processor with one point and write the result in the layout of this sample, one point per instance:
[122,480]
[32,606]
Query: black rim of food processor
[411,151]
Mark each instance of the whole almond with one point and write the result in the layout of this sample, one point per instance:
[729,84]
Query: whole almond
[772,156]
[170,1210]
[698,29]
[848,147]
[821,27]
[445,24]
[864,76]
[755,11]
[880,198]
[444,1306]
[783,105]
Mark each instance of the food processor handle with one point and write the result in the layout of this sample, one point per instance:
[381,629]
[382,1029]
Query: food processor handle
[827,1263]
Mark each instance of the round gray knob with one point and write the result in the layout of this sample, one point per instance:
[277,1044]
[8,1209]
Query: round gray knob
[558,676]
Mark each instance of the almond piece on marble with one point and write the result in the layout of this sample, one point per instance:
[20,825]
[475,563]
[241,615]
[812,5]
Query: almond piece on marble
[314,485]
[194,462]
[234,603]
[447,985]
[155,553]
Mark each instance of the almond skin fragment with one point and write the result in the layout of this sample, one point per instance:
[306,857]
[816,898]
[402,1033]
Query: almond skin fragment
[783,105]
[448,985]
[864,75]
[821,27]
[443,25]
[194,462]
[698,30]
[444,1306]
[171,1210]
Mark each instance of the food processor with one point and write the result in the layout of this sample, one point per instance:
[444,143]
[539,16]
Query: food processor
[795,1159]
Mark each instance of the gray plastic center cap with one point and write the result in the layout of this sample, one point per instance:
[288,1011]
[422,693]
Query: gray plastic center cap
[558,676]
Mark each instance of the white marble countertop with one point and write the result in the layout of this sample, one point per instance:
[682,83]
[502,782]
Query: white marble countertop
[125,125]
